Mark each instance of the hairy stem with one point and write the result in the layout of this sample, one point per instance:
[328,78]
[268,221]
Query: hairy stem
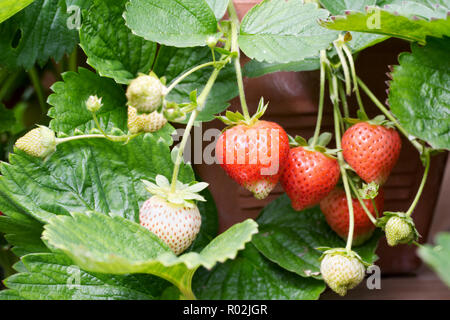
[388,115]
[348,81]
[344,103]
[237,63]
[321,97]
[351,224]
[96,136]
[34,77]
[73,58]
[187,74]
[201,101]
[355,82]
[422,183]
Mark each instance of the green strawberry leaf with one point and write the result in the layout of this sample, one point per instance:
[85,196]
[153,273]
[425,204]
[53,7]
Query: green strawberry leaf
[110,46]
[50,276]
[35,34]
[92,174]
[7,119]
[418,95]
[179,23]
[291,238]
[438,257]
[69,103]
[250,276]
[254,68]
[99,243]
[219,7]
[8,8]
[10,294]
[284,31]
[173,62]
[21,231]
[359,40]
[411,21]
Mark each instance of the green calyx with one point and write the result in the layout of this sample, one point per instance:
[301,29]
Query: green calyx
[184,194]
[232,119]
[321,144]
[369,190]
[398,227]
[343,252]
[379,120]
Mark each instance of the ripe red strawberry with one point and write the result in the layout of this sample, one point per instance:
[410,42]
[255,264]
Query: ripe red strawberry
[253,155]
[308,176]
[371,150]
[176,225]
[335,209]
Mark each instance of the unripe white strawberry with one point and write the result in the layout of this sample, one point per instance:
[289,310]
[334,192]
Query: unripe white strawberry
[341,272]
[39,142]
[176,225]
[398,231]
[172,213]
[145,93]
[145,122]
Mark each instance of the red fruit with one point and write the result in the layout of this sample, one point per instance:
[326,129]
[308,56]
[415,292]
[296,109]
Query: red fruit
[371,150]
[308,176]
[335,209]
[253,155]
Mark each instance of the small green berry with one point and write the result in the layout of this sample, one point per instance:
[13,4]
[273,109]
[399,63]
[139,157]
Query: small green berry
[39,142]
[341,272]
[398,231]
[145,93]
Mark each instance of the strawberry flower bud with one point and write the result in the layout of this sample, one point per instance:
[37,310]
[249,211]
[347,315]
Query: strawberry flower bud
[398,231]
[145,93]
[341,271]
[94,103]
[39,142]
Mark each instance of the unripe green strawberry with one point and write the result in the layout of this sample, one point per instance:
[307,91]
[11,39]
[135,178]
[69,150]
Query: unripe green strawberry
[398,231]
[145,122]
[341,272]
[145,93]
[176,225]
[39,142]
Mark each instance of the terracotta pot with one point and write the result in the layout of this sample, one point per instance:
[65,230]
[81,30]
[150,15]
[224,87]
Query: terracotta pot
[293,104]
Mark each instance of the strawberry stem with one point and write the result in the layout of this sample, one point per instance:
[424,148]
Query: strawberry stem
[237,64]
[34,77]
[388,114]
[355,81]
[188,73]
[375,208]
[338,44]
[422,183]
[344,103]
[97,124]
[186,134]
[96,136]
[321,97]
[337,116]
[200,103]
[362,203]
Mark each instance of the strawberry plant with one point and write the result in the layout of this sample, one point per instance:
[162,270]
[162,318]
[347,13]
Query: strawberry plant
[99,203]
